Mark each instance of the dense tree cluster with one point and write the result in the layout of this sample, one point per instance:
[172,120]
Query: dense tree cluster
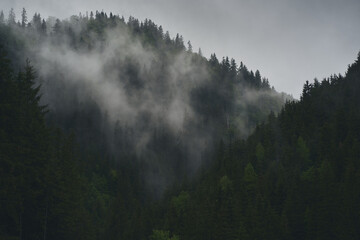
[41,179]
[69,172]
[229,100]
[296,177]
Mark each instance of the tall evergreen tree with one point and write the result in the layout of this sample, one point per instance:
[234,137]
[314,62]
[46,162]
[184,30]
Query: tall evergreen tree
[11,18]
[2,17]
[23,18]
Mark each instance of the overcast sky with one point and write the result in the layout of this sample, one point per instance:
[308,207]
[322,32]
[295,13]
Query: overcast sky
[289,41]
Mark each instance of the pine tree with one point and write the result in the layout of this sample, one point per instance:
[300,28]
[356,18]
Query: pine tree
[233,70]
[43,27]
[167,38]
[200,52]
[23,18]
[11,18]
[57,27]
[257,82]
[2,17]
[189,47]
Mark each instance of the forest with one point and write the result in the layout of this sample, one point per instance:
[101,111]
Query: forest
[114,129]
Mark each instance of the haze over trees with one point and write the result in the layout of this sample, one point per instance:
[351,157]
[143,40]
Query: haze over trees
[115,130]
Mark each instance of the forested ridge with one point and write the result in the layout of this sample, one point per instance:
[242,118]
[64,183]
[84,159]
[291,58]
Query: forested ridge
[296,177]
[125,88]
[114,130]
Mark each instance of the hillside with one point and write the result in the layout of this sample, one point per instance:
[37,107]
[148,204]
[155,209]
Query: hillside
[296,177]
[112,129]
[129,90]
[104,116]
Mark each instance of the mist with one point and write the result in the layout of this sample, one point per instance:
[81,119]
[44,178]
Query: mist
[142,99]
[288,41]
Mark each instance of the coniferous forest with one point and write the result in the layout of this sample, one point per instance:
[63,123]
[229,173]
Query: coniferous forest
[114,129]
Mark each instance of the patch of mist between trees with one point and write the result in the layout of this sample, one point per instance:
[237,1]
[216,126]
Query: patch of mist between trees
[98,75]
[134,87]
[156,95]
[251,104]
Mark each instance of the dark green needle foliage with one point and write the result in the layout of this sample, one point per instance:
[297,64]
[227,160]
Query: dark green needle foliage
[241,164]
[296,177]
[41,186]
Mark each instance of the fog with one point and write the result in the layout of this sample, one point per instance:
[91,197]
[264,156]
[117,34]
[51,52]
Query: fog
[157,105]
[288,41]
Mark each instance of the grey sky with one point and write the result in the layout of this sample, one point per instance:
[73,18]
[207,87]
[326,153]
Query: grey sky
[289,41]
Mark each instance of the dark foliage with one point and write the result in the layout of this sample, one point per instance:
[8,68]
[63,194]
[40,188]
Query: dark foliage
[297,176]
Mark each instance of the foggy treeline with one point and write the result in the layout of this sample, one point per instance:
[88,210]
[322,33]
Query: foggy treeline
[131,91]
[114,129]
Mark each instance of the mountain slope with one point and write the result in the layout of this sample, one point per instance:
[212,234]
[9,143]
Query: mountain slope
[142,113]
[130,92]
[296,177]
